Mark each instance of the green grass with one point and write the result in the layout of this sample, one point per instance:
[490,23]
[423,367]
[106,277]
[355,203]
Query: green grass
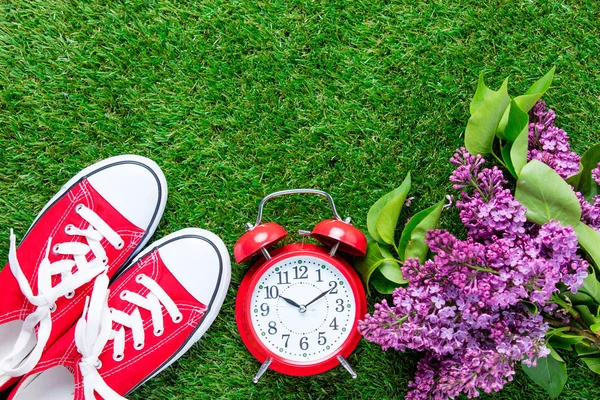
[236,99]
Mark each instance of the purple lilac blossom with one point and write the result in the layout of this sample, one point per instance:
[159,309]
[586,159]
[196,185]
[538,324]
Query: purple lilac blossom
[549,144]
[490,211]
[590,211]
[465,308]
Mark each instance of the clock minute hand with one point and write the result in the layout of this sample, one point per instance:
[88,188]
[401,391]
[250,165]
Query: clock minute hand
[318,297]
[290,301]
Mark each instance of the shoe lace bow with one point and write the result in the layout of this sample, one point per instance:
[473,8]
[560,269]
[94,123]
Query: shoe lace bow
[94,329]
[22,358]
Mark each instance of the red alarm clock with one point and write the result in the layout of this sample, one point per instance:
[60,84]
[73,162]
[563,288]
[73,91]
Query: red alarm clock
[298,306]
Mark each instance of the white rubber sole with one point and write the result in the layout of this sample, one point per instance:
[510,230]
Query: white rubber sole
[219,296]
[151,165]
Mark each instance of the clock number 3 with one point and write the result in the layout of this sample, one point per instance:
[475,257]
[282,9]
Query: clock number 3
[340,305]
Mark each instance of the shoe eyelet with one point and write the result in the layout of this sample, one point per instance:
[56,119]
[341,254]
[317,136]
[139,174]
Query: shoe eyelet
[55,249]
[159,332]
[53,307]
[78,208]
[139,278]
[70,295]
[98,364]
[178,318]
[105,260]
[69,228]
[118,357]
[138,346]
[123,294]
[120,245]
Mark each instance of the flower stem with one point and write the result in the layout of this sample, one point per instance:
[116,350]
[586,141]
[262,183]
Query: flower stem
[589,335]
[482,269]
[566,306]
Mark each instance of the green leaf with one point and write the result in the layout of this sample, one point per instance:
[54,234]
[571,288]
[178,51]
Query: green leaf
[480,94]
[507,161]
[591,286]
[583,349]
[565,340]
[546,195]
[388,218]
[518,151]
[481,127]
[586,315]
[416,247]
[582,181]
[550,373]
[535,91]
[526,101]
[390,269]
[376,260]
[595,327]
[382,217]
[517,121]
[588,239]
[368,264]
[382,284]
[593,364]
[531,307]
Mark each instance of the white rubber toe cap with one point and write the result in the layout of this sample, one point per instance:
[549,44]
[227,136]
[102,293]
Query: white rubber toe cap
[134,185]
[199,261]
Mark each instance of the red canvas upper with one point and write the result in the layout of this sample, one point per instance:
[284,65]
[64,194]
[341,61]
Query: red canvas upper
[136,365]
[31,251]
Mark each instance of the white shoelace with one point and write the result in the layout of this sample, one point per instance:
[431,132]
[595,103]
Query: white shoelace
[22,358]
[94,329]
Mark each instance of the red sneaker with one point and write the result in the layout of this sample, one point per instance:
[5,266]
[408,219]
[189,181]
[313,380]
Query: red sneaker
[97,222]
[153,313]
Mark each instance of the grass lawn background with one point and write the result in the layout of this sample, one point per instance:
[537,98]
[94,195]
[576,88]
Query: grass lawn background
[237,99]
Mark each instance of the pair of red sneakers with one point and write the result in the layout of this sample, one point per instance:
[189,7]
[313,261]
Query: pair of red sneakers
[83,313]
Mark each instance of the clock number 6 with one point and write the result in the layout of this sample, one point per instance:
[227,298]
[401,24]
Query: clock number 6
[304,343]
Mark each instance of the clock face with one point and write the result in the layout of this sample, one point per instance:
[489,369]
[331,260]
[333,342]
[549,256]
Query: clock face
[302,308]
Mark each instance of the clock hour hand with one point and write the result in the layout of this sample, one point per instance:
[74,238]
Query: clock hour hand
[318,297]
[290,301]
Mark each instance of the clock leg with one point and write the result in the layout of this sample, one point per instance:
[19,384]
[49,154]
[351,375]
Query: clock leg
[347,366]
[262,370]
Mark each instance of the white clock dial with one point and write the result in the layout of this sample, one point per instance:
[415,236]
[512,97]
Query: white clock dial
[302,308]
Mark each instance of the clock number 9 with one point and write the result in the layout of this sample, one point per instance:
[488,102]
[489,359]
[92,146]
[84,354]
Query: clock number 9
[264,307]
[272,328]
[340,305]
[304,343]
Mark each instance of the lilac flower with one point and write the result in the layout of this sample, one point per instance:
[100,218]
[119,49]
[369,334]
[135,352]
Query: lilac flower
[490,211]
[465,307]
[549,144]
[596,174]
